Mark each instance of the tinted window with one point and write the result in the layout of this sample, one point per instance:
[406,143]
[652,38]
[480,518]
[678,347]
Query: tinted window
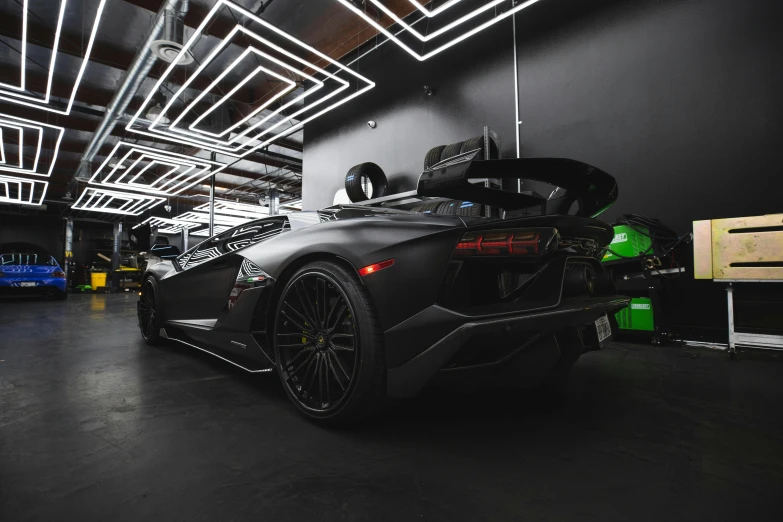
[234,239]
[26,259]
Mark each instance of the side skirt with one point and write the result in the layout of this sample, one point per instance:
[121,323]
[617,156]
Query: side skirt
[249,364]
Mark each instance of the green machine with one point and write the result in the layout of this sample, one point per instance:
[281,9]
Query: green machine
[630,244]
[638,315]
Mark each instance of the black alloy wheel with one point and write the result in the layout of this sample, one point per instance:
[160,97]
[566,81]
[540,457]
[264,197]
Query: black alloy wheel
[149,320]
[326,344]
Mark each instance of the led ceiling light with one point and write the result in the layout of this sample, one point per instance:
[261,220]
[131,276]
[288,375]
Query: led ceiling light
[233,208]
[167,226]
[125,170]
[19,128]
[22,191]
[439,32]
[279,62]
[95,199]
[18,93]
[199,217]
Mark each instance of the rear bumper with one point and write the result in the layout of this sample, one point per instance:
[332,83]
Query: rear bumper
[455,331]
[12,286]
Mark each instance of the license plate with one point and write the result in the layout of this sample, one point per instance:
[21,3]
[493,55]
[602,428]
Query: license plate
[27,284]
[603,328]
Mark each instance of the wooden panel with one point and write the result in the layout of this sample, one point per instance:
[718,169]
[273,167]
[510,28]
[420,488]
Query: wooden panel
[730,245]
[702,249]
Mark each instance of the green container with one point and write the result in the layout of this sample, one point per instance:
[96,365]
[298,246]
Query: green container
[638,315]
[628,243]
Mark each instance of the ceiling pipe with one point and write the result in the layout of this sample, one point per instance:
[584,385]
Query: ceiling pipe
[135,75]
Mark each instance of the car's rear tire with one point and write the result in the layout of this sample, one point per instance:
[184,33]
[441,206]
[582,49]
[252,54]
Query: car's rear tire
[61,296]
[149,312]
[329,345]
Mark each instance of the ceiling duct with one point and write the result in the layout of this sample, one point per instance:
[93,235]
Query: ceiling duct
[168,47]
[134,77]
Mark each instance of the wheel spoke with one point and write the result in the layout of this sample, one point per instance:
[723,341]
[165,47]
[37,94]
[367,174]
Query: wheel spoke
[320,297]
[320,379]
[312,376]
[306,303]
[301,327]
[300,345]
[339,347]
[326,378]
[342,335]
[333,325]
[334,372]
[307,362]
[339,365]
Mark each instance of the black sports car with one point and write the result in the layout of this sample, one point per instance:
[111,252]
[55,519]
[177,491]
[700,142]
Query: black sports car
[354,304]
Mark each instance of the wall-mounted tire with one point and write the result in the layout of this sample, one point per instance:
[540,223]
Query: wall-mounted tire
[470,209]
[449,208]
[478,143]
[433,156]
[450,151]
[353,182]
[431,207]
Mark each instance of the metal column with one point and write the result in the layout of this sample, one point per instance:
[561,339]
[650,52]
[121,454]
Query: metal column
[212,206]
[68,254]
[115,256]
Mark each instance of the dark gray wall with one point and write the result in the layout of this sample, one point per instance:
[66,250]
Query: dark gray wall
[44,232]
[679,99]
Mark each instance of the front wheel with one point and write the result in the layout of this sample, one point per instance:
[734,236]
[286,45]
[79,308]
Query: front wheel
[329,345]
[149,312]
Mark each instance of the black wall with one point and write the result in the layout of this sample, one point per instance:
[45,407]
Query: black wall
[679,99]
[43,231]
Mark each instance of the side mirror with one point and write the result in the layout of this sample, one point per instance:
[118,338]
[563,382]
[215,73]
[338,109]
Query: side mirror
[164,251]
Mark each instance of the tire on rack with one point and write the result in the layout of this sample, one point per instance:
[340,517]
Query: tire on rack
[433,156]
[478,143]
[450,151]
[328,345]
[149,312]
[353,182]
[470,209]
[430,208]
[449,208]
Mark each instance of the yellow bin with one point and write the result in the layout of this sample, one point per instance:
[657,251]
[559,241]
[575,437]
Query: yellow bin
[97,279]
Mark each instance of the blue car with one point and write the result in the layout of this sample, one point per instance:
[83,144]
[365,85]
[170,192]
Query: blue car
[28,270]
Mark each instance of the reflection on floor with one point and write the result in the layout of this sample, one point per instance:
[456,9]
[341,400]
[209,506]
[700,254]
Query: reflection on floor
[96,425]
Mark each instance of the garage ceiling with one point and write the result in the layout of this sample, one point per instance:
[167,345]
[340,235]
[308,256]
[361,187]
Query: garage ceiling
[326,25]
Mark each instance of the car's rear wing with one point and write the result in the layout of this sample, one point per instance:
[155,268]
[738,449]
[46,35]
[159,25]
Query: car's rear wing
[593,189]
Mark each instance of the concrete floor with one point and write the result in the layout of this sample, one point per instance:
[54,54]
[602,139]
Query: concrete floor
[95,425]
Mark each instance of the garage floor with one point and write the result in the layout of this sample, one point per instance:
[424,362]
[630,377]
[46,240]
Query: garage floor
[95,425]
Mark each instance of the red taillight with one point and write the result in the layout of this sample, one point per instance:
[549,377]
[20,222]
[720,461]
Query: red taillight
[58,273]
[371,269]
[506,243]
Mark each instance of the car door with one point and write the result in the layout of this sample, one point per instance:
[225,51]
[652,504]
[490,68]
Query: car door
[199,291]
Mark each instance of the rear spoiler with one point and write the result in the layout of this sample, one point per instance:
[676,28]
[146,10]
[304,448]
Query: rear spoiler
[593,189]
